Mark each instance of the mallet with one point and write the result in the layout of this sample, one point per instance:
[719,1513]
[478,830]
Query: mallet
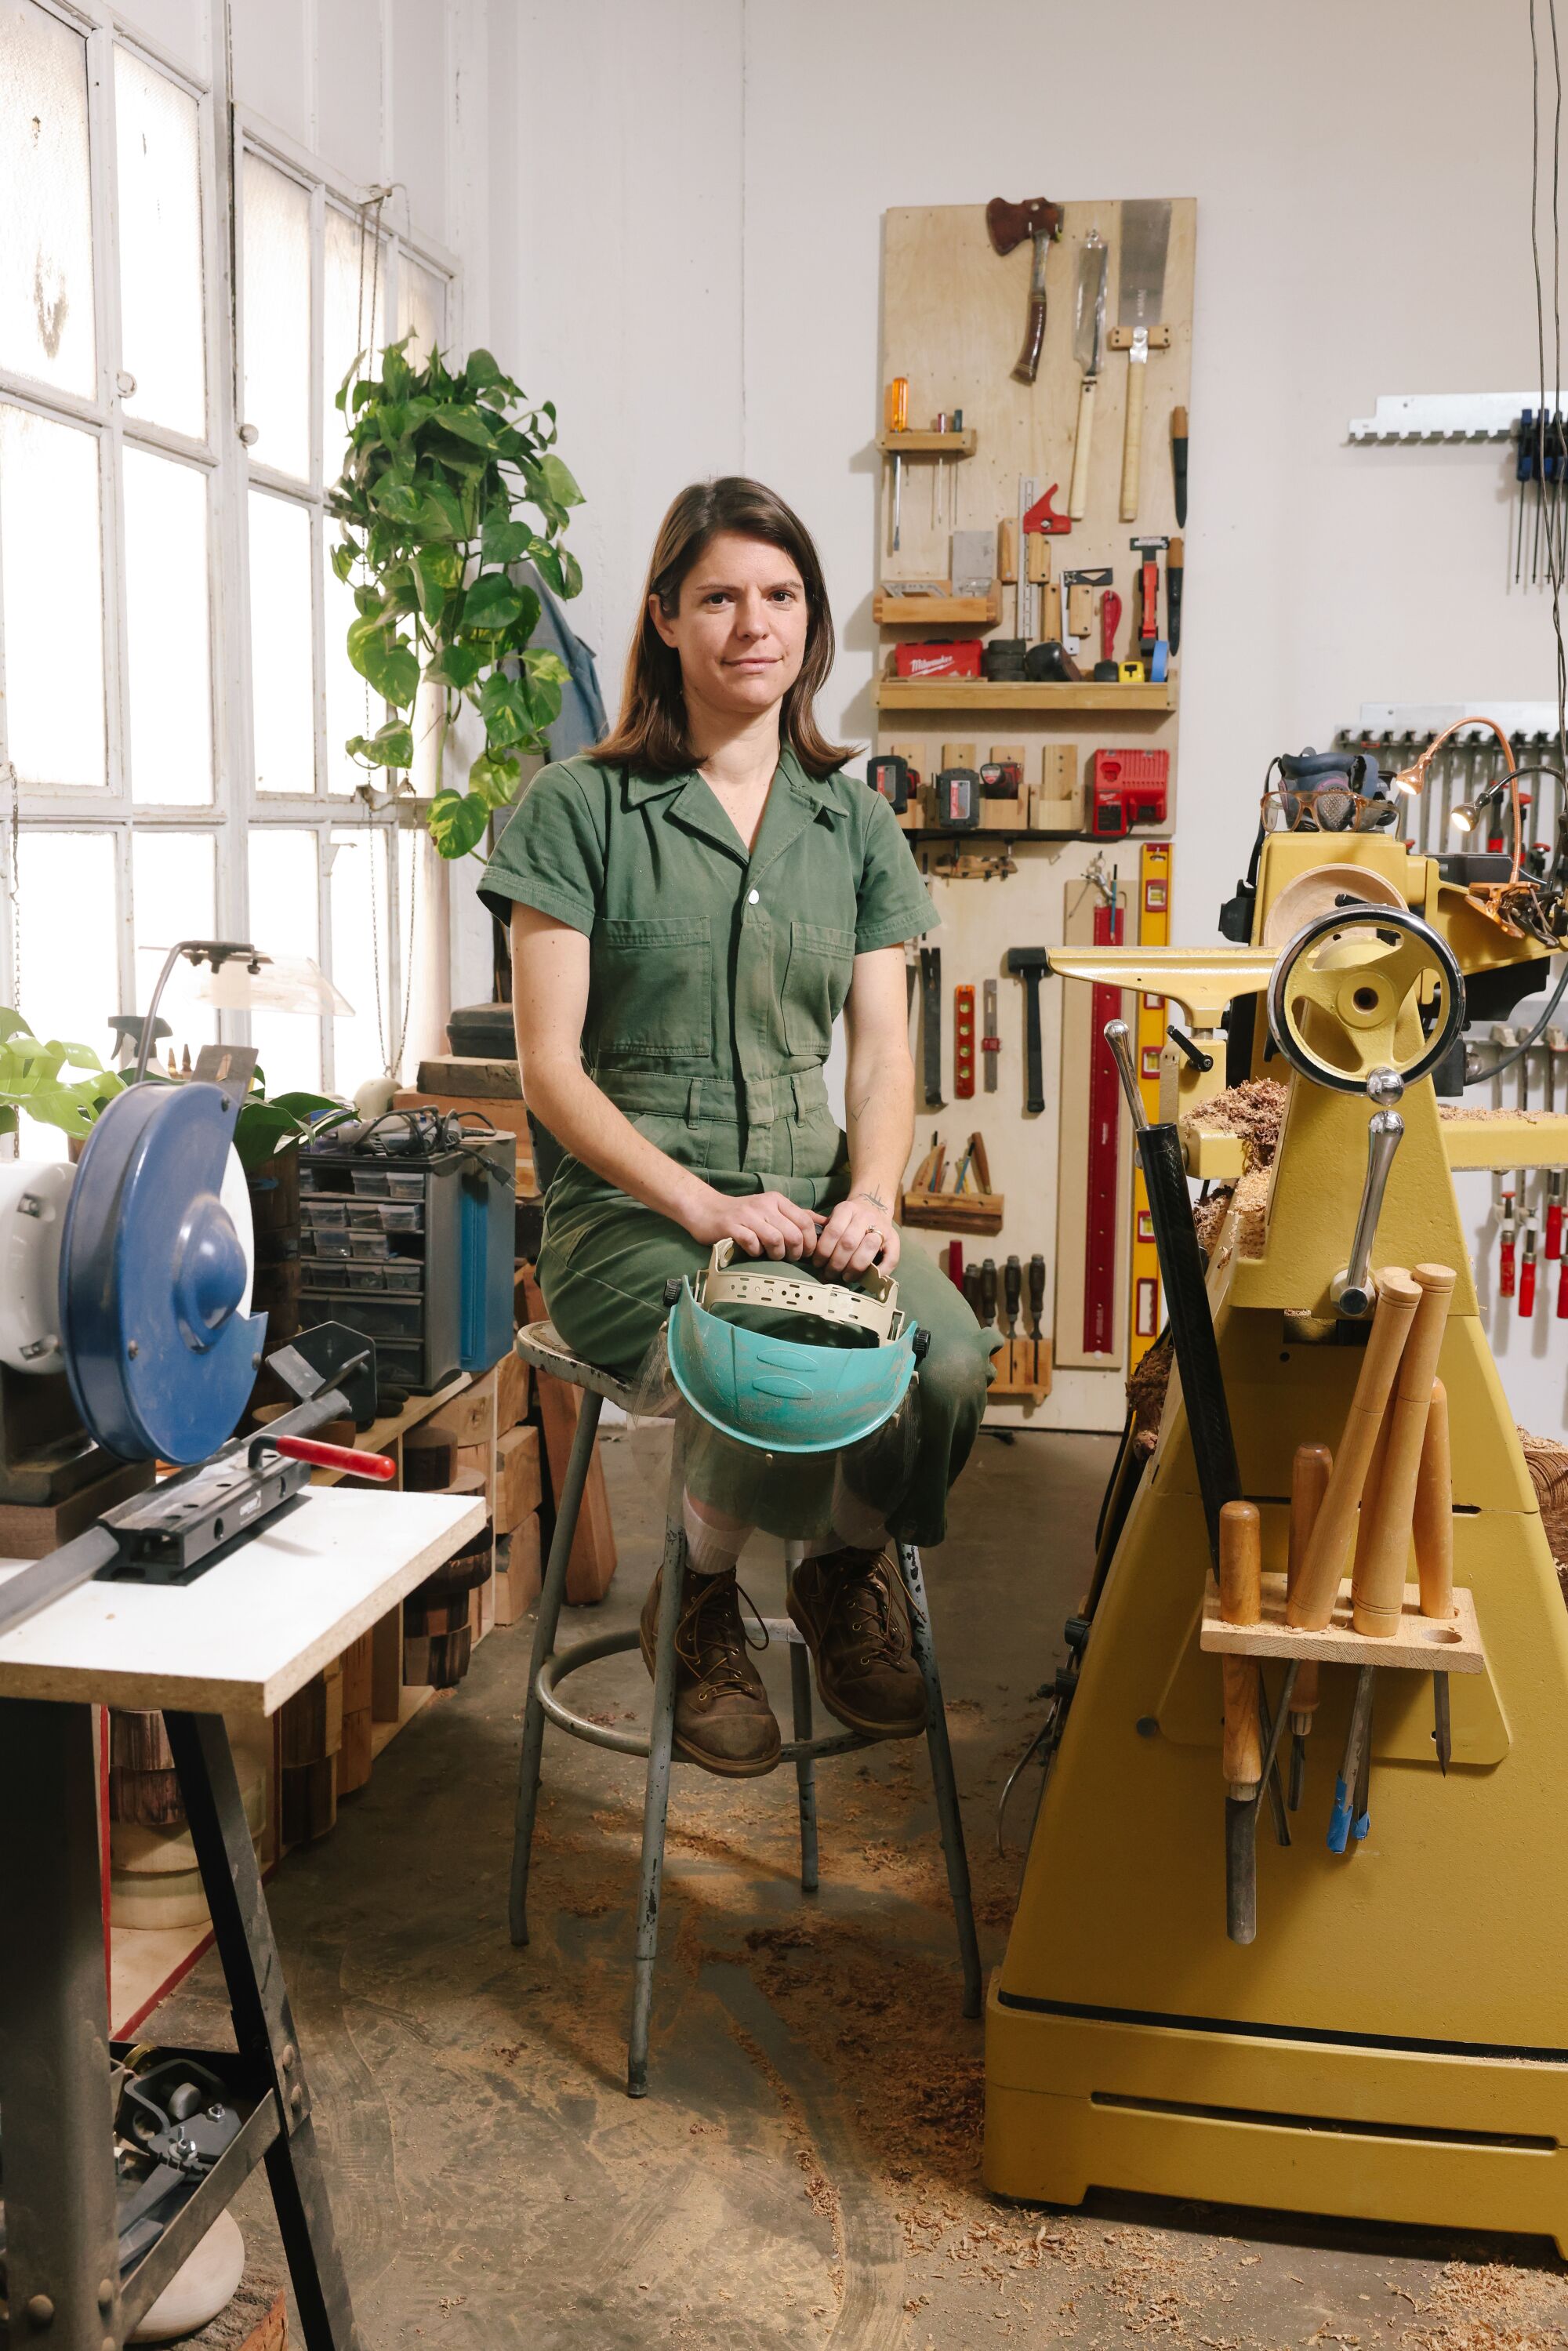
[1378,1591]
[1311,1604]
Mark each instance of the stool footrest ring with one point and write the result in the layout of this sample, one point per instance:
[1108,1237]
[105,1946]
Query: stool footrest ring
[631,1742]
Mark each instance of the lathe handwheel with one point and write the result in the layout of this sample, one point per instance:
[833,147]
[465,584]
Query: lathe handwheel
[1344,995]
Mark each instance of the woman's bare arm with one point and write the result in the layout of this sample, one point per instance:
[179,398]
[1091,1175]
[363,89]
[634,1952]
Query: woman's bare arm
[549,1004]
[879,1116]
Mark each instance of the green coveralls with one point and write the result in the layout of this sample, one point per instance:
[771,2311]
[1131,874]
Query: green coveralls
[715,979]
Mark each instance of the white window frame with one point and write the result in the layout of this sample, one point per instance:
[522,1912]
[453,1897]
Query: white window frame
[224,133]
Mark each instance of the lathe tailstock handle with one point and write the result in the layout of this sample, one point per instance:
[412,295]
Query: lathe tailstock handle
[1380,1589]
[1311,1605]
[379,1466]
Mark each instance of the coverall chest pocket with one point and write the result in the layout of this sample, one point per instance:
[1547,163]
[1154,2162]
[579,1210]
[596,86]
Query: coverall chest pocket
[652,985]
[816,971]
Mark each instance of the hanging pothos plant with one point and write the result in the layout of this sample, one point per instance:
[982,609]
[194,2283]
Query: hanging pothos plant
[440,466]
[31,1079]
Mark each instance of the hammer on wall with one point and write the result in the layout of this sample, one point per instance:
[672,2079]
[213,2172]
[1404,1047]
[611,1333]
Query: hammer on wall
[1008,224]
[1031,965]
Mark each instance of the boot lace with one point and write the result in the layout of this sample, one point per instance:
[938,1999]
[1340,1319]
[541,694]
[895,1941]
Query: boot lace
[712,1640]
[860,1597]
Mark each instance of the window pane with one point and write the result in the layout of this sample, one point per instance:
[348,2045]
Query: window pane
[350,324]
[68,950]
[277,317]
[173,895]
[166,630]
[281,692]
[51,572]
[45,250]
[284,921]
[159,229]
[422,308]
[352,707]
[359,935]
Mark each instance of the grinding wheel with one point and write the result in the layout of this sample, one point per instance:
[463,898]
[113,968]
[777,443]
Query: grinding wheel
[160,1349]
[1317,893]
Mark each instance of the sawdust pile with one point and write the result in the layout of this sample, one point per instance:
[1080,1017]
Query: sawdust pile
[1547,1462]
[1255,1109]
[1472,1114]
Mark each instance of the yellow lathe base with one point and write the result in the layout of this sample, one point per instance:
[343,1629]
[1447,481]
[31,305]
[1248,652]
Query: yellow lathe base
[1393,2045]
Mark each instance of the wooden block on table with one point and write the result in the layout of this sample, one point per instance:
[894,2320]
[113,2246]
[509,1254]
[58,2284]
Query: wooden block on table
[429,1460]
[311,1722]
[511,1393]
[386,1676]
[469,1079]
[354,1754]
[518,1488]
[518,1571]
[592,1562]
[483,1618]
[475,1460]
[464,1419]
[29,1530]
[359,1673]
[310,1801]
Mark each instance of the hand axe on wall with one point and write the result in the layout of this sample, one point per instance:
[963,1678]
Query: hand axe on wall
[1008,224]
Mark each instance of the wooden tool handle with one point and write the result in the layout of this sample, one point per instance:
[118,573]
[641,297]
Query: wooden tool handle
[1379,1591]
[1006,552]
[1311,1605]
[1435,1511]
[1310,1474]
[1242,1602]
[1133,445]
[1078,494]
[1371,1485]
[1240,1563]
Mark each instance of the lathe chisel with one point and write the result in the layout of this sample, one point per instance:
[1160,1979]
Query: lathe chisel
[1309,1477]
[1350,1807]
[1434,1530]
[931,1023]
[1240,1577]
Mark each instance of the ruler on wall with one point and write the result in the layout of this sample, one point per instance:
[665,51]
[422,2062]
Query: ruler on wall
[1093,1196]
[1100,1220]
[1149,1032]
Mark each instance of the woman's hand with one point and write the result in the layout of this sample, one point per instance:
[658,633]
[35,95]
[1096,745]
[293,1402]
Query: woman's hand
[761,1224]
[859,1233]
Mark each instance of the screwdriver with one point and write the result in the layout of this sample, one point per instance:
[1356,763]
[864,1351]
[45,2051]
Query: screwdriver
[1036,1306]
[988,1294]
[898,422]
[1013,1292]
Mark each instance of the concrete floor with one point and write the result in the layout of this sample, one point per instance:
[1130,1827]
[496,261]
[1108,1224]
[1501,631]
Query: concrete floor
[806,2172]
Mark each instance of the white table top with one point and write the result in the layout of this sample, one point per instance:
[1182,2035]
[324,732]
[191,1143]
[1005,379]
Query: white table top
[252,1630]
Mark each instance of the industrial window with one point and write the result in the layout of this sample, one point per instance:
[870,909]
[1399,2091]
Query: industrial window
[176,689]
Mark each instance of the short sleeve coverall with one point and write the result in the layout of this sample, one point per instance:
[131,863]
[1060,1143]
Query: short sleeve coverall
[714,978]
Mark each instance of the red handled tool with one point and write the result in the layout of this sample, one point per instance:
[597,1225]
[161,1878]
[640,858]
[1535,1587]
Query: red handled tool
[379,1466]
[1150,548]
[1562,1292]
[1554,1212]
[1106,669]
[1506,1251]
[1527,1274]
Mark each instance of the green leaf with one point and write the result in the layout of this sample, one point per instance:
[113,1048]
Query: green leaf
[459,664]
[368,603]
[505,542]
[526,621]
[466,425]
[545,668]
[304,1105]
[400,502]
[494,775]
[385,659]
[391,745]
[544,701]
[457,822]
[559,482]
[436,571]
[344,560]
[491,602]
[481,370]
[506,710]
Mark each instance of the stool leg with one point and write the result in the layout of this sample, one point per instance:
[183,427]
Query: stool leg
[568,1503]
[656,1798]
[942,1780]
[805,1768]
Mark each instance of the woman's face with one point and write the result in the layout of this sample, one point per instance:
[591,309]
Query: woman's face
[740,632]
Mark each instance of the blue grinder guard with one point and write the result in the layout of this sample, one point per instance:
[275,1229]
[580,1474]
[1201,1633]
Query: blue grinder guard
[153,1275]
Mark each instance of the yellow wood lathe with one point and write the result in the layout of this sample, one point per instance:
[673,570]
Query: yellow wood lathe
[1394,2042]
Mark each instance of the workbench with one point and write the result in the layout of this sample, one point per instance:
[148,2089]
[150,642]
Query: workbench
[242,1638]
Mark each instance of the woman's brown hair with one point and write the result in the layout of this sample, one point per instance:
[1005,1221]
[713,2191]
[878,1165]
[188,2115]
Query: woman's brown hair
[651,735]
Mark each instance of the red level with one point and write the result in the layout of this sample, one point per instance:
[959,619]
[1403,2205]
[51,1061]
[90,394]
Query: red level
[1100,1336]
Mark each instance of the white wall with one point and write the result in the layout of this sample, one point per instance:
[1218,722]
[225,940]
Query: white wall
[697,243]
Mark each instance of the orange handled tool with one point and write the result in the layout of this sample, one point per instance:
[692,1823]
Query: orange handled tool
[1241,1602]
[379,1466]
[897,421]
[1310,1473]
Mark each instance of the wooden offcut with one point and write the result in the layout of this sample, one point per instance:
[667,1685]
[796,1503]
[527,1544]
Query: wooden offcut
[517,1482]
[593,1562]
[28,1530]
[518,1571]
[471,1079]
[511,1393]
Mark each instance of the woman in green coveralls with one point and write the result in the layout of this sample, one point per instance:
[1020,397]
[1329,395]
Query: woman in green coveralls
[692,905]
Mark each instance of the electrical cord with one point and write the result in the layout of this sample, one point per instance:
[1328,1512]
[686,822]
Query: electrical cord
[1517,1052]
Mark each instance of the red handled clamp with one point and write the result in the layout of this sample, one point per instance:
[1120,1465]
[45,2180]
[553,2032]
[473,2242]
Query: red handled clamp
[1506,1261]
[380,1466]
[1527,1276]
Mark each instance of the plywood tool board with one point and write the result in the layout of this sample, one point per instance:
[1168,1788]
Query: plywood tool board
[953,321]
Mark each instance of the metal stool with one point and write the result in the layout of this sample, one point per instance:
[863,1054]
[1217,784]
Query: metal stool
[540,1345]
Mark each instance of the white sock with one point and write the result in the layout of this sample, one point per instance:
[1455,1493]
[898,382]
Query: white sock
[714,1541]
[855,1525]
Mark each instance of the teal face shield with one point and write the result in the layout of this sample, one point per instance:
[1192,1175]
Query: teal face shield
[779,1421]
[780,1394]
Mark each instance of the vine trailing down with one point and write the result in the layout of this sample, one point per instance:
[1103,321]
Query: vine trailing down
[440,466]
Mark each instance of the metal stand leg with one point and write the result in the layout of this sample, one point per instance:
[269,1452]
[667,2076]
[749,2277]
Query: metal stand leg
[942,1780]
[264,2025]
[656,1801]
[552,1592]
[62,2250]
[805,1768]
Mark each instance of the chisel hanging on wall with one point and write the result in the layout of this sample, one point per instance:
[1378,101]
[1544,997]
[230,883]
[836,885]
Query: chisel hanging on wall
[931,1023]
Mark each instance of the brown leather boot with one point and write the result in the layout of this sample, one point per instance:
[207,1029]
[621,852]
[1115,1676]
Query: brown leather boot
[723,1720]
[853,1616]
